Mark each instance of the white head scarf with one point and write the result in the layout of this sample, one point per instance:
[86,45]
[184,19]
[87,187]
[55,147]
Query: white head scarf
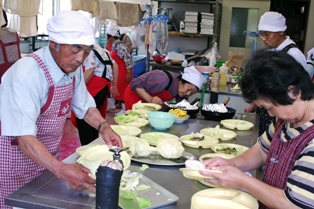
[273,22]
[113,29]
[192,75]
[70,27]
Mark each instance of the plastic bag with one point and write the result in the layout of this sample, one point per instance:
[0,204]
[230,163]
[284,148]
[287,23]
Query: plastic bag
[213,55]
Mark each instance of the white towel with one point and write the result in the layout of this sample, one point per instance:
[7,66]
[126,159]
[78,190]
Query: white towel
[28,26]
[91,6]
[107,10]
[128,14]
[23,7]
[2,20]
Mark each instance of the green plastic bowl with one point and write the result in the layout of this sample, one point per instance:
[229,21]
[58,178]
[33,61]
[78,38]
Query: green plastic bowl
[161,120]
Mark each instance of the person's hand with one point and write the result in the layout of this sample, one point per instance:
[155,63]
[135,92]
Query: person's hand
[157,100]
[310,54]
[229,177]
[77,177]
[216,162]
[251,108]
[128,77]
[109,136]
[114,91]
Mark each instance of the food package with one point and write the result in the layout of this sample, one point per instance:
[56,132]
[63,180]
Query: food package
[235,60]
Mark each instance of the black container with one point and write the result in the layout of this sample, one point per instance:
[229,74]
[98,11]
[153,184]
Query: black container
[218,116]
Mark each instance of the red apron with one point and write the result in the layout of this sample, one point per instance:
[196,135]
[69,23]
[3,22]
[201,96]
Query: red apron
[16,168]
[122,84]
[131,97]
[94,85]
[282,156]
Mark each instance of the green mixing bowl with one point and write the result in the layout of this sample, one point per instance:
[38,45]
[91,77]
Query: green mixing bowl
[161,120]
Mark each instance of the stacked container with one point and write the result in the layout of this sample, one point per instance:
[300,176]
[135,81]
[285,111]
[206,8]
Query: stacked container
[207,23]
[191,22]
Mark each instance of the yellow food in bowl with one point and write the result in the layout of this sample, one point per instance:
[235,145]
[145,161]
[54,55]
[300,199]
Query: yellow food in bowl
[179,113]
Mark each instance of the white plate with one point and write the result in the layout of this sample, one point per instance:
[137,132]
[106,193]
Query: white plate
[239,148]
[95,155]
[153,137]
[146,106]
[208,184]
[138,122]
[80,150]
[129,141]
[156,159]
[126,130]
[241,125]
[222,134]
[223,199]
[211,155]
[181,120]
[194,174]
[207,142]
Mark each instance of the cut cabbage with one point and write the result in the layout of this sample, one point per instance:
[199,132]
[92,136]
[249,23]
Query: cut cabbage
[123,119]
[170,148]
[141,148]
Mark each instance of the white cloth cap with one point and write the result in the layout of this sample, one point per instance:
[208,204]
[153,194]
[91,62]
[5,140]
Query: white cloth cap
[113,29]
[192,75]
[70,27]
[273,22]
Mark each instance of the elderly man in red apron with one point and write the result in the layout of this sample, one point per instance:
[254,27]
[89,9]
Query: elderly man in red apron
[36,95]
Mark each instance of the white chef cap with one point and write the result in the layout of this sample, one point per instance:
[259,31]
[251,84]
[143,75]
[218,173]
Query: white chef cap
[192,75]
[113,29]
[273,22]
[70,27]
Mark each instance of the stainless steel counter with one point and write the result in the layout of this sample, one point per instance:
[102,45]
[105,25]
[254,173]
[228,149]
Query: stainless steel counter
[48,192]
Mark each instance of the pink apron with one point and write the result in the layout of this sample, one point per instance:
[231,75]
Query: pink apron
[282,156]
[16,168]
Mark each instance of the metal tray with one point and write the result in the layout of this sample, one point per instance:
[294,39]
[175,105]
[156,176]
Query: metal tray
[58,193]
[157,195]
[157,159]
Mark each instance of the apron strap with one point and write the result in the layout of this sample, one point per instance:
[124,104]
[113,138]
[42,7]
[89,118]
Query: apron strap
[105,62]
[288,47]
[170,79]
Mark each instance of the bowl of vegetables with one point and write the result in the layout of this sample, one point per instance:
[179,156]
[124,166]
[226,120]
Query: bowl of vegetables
[161,120]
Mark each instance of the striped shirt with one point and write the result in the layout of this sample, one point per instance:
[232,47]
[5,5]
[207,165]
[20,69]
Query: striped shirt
[300,185]
[156,81]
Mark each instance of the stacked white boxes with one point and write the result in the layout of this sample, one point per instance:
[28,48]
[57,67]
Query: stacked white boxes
[191,22]
[207,23]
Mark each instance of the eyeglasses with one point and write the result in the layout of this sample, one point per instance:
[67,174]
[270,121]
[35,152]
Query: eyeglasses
[265,34]
[76,48]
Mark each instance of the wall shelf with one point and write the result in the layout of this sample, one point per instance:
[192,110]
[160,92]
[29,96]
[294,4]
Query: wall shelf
[182,40]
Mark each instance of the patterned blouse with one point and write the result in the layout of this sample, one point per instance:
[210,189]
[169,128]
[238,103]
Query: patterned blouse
[122,51]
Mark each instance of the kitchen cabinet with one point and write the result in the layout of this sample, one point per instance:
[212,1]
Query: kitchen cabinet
[198,42]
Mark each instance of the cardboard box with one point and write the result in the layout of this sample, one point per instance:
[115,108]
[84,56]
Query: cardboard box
[191,18]
[190,24]
[207,21]
[191,13]
[176,56]
[207,31]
